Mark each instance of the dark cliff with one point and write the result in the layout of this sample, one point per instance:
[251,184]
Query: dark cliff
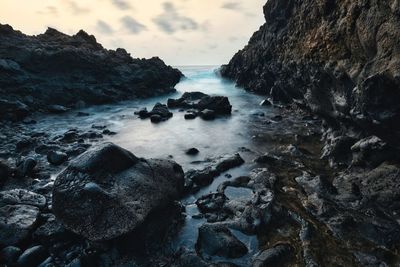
[57,69]
[338,58]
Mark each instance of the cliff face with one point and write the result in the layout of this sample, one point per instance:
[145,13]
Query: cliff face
[339,58]
[57,69]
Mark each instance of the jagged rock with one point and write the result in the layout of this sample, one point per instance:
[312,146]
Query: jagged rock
[338,150]
[275,256]
[266,158]
[22,197]
[339,59]
[56,157]
[16,223]
[114,191]
[60,72]
[371,151]
[217,240]
[52,230]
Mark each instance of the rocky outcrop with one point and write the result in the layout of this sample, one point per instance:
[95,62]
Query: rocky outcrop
[114,191]
[340,59]
[53,71]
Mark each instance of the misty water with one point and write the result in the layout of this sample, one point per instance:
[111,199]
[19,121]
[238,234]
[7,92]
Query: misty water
[170,139]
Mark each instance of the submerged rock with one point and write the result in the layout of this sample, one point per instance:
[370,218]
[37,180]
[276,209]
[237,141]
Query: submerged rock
[114,191]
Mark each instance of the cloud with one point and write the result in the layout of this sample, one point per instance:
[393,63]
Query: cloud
[170,21]
[52,10]
[133,25]
[76,9]
[104,27]
[232,6]
[122,4]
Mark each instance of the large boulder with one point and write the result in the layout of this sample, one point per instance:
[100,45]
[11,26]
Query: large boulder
[114,191]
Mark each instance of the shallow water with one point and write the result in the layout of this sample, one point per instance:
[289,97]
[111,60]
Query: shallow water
[226,135]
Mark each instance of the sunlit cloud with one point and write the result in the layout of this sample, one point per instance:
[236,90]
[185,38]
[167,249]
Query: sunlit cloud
[104,27]
[51,10]
[171,21]
[232,6]
[132,25]
[122,4]
[77,9]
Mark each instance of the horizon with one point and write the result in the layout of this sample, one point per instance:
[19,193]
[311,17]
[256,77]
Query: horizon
[206,33]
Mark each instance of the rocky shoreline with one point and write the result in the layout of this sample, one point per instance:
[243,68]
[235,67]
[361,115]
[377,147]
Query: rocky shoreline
[53,72]
[318,183]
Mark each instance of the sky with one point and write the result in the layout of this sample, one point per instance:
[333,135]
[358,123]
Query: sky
[181,32]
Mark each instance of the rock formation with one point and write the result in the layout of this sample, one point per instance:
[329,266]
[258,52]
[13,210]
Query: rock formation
[53,71]
[340,59]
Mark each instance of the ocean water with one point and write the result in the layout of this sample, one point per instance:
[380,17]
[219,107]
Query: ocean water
[170,139]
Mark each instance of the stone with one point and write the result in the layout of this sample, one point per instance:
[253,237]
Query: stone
[57,109]
[114,191]
[16,223]
[371,151]
[10,255]
[56,157]
[207,114]
[192,151]
[32,256]
[190,116]
[275,256]
[217,240]
[22,197]
[156,118]
[27,166]
[51,231]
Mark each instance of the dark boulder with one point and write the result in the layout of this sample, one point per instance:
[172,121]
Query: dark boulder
[217,240]
[16,223]
[371,151]
[192,151]
[27,166]
[32,256]
[275,256]
[13,110]
[207,114]
[22,197]
[114,191]
[56,157]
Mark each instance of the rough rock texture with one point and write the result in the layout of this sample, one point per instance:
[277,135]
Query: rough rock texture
[57,70]
[114,191]
[341,59]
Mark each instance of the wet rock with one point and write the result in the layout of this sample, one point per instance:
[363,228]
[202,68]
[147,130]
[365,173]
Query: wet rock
[57,109]
[5,172]
[192,151]
[228,162]
[190,259]
[211,202]
[32,256]
[156,118]
[267,158]
[275,256]
[196,100]
[56,157]
[217,240]
[22,197]
[266,103]
[370,151]
[369,260]
[27,166]
[207,114]
[190,116]
[108,132]
[16,223]
[51,231]
[10,255]
[142,113]
[143,186]
[24,144]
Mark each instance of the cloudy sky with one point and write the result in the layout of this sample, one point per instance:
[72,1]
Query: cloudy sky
[182,32]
